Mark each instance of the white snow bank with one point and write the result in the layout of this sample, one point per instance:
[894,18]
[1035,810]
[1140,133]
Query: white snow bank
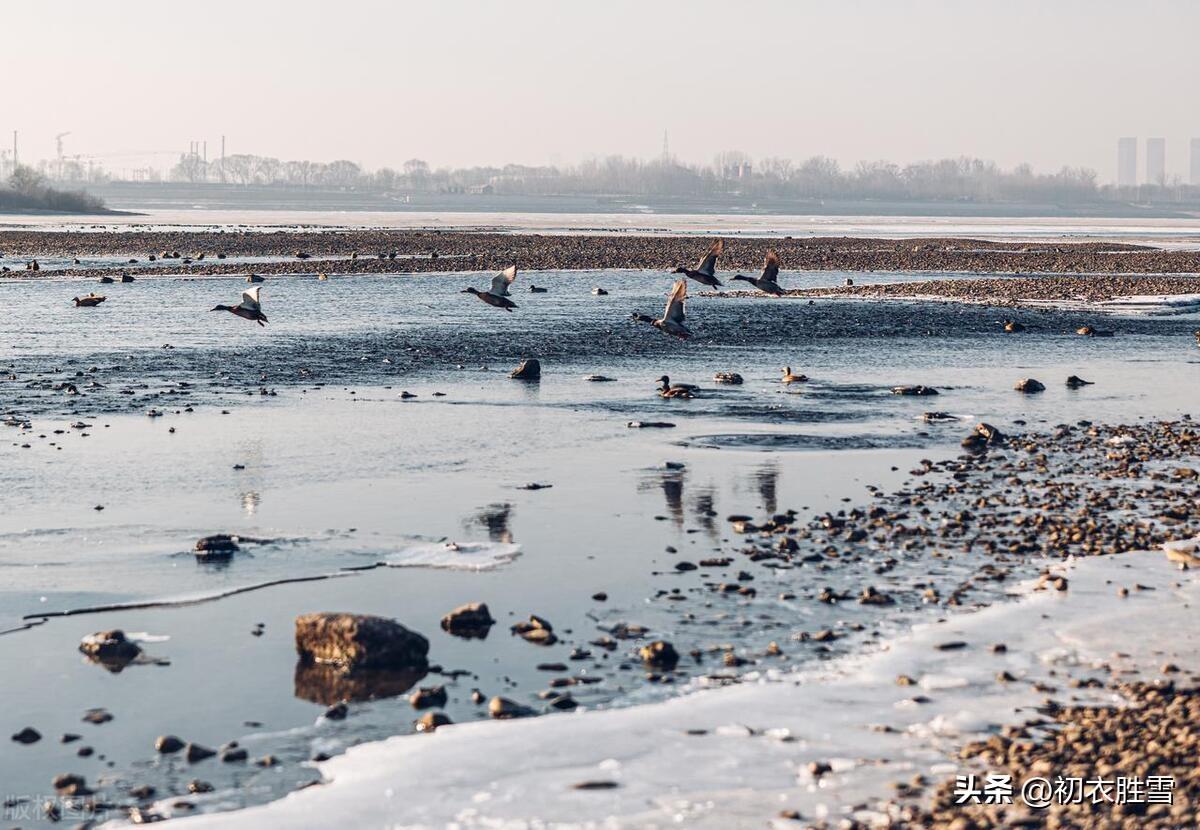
[753,760]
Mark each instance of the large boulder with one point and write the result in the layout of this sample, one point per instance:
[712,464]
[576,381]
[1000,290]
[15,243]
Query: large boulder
[359,641]
[1030,386]
[530,369]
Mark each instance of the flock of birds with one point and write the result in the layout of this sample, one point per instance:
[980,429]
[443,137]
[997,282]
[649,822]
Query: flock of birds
[672,322]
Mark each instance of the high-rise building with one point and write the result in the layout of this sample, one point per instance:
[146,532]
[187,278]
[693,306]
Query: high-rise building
[1127,162]
[1196,162]
[1156,161]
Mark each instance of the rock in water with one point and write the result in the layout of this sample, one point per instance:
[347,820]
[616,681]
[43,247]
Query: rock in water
[471,621]
[428,697]
[732,378]
[217,547]
[502,708]
[530,369]
[918,391]
[1029,386]
[430,721]
[27,736]
[111,649]
[1074,382]
[168,744]
[359,641]
[194,753]
[660,655]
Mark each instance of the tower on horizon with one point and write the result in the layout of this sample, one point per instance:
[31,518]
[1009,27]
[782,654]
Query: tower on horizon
[1196,162]
[1156,161]
[1126,162]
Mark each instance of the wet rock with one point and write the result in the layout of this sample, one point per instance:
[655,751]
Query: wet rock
[952,645]
[168,744]
[870,596]
[501,708]
[69,738]
[917,391]
[195,753]
[233,754]
[595,785]
[530,369]
[27,736]
[730,378]
[1012,327]
[110,649]
[1030,386]
[473,620]
[599,292]
[536,630]
[428,697]
[430,721]
[337,711]
[600,596]
[198,787]
[217,547]
[359,641]
[1074,382]
[97,716]
[659,655]
[142,792]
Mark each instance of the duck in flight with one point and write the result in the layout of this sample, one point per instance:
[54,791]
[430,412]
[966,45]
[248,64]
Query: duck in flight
[705,272]
[497,295]
[90,301]
[768,282]
[249,308]
[673,317]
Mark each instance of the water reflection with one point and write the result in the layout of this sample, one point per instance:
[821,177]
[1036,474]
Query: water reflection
[494,518]
[766,480]
[326,684]
[670,481]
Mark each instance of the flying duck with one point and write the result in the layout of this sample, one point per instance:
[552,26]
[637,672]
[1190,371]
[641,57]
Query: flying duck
[249,308]
[89,301]
[767,283]
[705,272]
[788,377]
[678,390]
[497,295]
[672,319]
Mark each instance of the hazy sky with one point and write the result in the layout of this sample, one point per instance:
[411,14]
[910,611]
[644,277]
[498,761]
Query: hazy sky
[460,82]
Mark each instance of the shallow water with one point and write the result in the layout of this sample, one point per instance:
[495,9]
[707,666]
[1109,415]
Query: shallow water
[339,472]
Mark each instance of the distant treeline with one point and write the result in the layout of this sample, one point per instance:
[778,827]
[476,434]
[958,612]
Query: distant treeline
[27,191]
[818,178]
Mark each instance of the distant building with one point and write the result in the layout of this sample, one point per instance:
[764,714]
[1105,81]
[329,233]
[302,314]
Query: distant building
[1196,162]
[1127,162]
[1156,161]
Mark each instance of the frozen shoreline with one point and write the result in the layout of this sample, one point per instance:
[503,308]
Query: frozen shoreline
[760,738]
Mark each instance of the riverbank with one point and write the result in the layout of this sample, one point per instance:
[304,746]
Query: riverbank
[347,251]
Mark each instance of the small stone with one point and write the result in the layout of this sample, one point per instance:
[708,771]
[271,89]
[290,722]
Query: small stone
[428,697]
[660,655]
[502,708]
[168,744]
[430,721]
[27,736]
[337,711]
[472,620]
[195,753]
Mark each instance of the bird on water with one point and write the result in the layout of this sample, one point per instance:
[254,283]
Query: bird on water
[672,321]
[705,272]
[666,389]
[768,283]
[497,295]
[90,301]
[250,308]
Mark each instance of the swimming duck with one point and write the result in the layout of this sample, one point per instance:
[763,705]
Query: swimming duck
[89,301]
[248,309]
[533,289]
[788,377]
[767,283]
[673,317]
[705,272]
[679,390]
[497,295]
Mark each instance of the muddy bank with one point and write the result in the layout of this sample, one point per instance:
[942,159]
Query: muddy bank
[1015,290]
[394,251]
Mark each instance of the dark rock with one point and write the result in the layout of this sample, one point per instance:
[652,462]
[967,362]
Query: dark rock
[168,744]
[337,711]
[197,787]
[595,785]
[234,754]
[918,390]
[1074,382]
[660,655]
[110,649]
[359,641]
[69,784]
[428,697]
[430,721]
[1030,386]
[97,716]
[530,369]
[219,546]
[28,735]
[501,708]
[472,620]
[195,753]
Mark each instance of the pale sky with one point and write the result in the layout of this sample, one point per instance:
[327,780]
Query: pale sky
[461,82]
